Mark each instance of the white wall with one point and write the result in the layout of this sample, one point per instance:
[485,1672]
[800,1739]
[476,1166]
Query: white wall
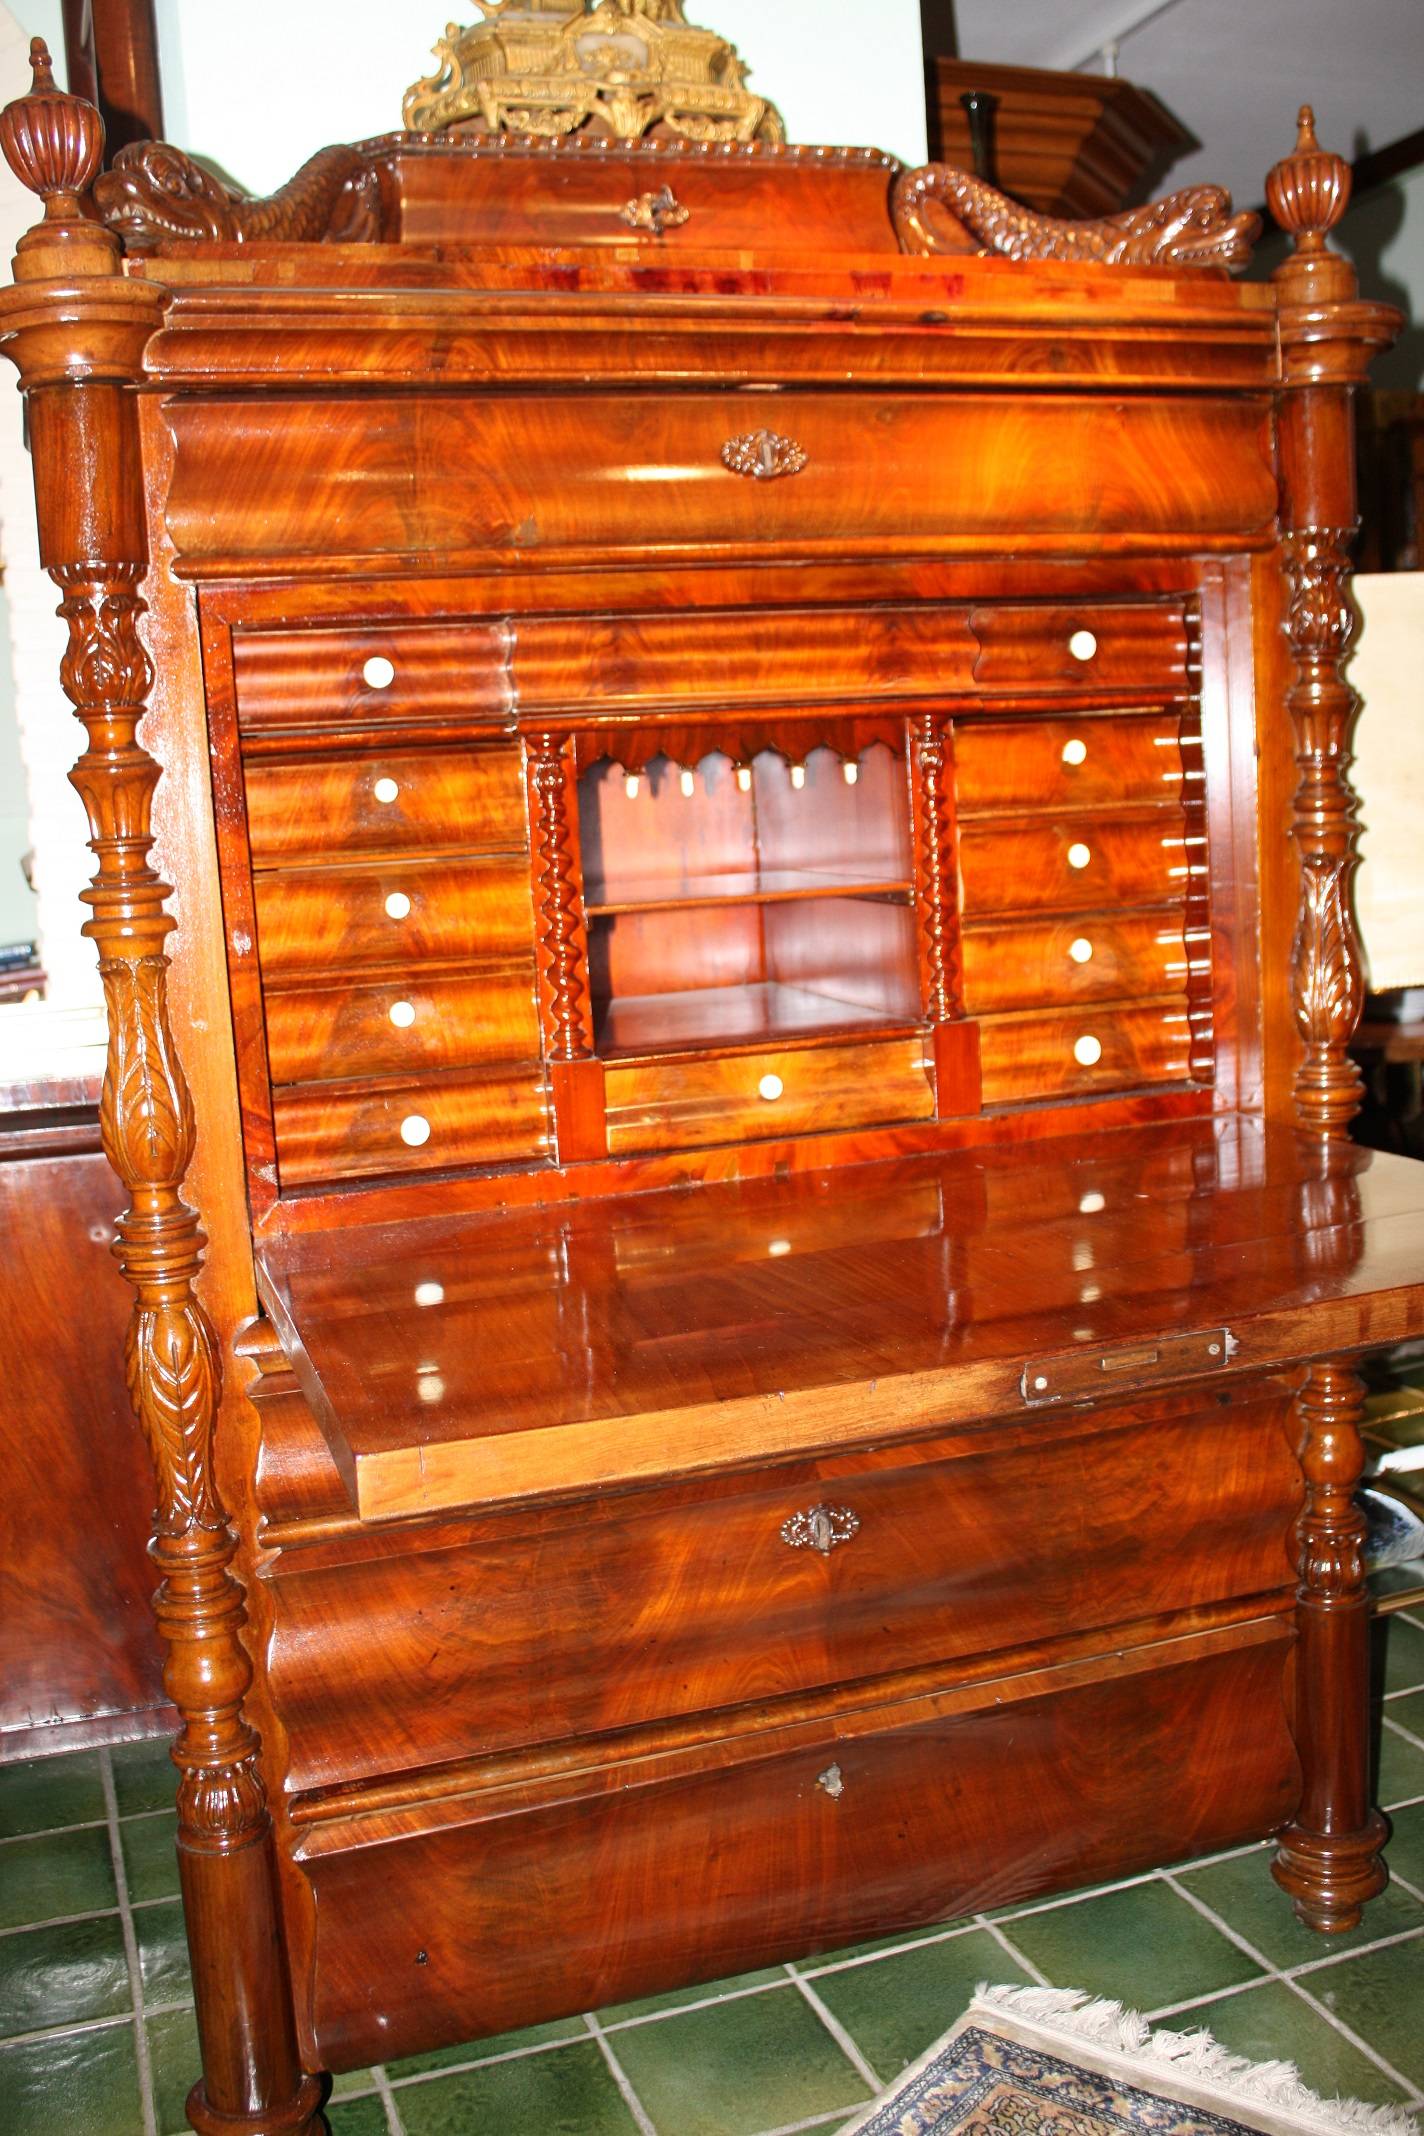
[342,72]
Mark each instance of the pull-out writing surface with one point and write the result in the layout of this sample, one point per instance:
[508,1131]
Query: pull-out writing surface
[461,1361]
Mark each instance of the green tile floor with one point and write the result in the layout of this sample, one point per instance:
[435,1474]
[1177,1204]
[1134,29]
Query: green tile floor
[96,2025]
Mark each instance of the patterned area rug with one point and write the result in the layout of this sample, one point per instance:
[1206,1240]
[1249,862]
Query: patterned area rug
[1052,2062]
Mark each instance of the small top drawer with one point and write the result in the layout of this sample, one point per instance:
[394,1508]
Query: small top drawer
[746,1097]
[1071,763]
[406,801]
[372,675]
[1138,648]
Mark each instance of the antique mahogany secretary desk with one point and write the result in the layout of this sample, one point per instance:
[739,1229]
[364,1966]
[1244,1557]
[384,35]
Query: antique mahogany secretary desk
[753,768]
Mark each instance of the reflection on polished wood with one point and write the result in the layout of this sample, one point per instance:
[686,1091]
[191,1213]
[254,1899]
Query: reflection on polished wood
[709,997]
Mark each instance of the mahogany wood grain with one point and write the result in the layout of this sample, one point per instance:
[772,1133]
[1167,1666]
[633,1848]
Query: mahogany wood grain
[470,483]
[1087,1048]
[306,808]
[427,1123]
[392,911]
[667,1104]
[709,1357]
[652,1606]
[398,515]
[1106,956]
[1088,863]
[1071,763]
[413,1021]
[77,1655]
[620,1889]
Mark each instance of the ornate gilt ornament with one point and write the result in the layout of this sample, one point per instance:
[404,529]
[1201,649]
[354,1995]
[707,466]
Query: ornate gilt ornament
[764,455]
[820,1528]
[624,66]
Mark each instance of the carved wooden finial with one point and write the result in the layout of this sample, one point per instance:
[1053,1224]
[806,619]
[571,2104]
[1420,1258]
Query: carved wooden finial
[1308,190]
[54,143]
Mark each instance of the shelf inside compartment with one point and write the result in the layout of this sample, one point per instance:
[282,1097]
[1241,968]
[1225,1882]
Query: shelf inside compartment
[737,905]
[709,1017]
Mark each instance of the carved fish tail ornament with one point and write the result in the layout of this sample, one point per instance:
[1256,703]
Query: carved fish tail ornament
[155,195]
[1191,228]
[1327,337]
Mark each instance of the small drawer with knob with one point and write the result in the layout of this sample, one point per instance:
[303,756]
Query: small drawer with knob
[1119,1047]
[403,1024]
[1081,863]
[362,677]
[1093,648]
[1082,957]
[385,1128]
[1114,760]
[745,1097]
[411,801]
[391,913]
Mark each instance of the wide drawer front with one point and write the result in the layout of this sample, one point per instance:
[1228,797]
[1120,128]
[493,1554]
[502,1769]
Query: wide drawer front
[390,912]
[1068,762]
[1019,964]
[389,800]
[829,1573]
[465,476]
[402,1025]
[683,1104]
[1045,1055]
[652,1873]
[327,1132]
[1075,863]
[368,675]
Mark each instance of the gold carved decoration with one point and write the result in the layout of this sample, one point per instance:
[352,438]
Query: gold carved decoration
[764,455]
[623,67]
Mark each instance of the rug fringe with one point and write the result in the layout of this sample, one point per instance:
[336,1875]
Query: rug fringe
[1080,2016]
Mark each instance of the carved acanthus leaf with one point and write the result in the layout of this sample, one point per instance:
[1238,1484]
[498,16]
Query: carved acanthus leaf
[173,1381]
[1192,228]
[221,1806]
[155,194]
[145,1112]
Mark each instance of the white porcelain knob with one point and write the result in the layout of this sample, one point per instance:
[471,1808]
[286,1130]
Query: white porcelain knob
[1087,1051]
[1079,855]
[378,673]
[415,1131]
[1082,645]
[770,1087]
[385,790]
[1075,752]
[1081,950]
[402,1014]
[397,905]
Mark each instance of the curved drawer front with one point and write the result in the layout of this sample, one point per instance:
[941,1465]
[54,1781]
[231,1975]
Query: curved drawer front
[1069,762]
[684,1104]
[1048,1055]
[328,1131]
[466,476]
[1102,646]
[1019,964]
[369,675]
[1077,863]
[392,912]
[387,801]
[402,1025]
[775,1584]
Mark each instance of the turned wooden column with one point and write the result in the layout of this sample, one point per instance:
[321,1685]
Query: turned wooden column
[1329,1855]
[76,329]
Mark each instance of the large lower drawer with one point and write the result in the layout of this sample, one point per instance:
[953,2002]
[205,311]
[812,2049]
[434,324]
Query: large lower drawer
[604,1615]
[742,1097]
[487,1911]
